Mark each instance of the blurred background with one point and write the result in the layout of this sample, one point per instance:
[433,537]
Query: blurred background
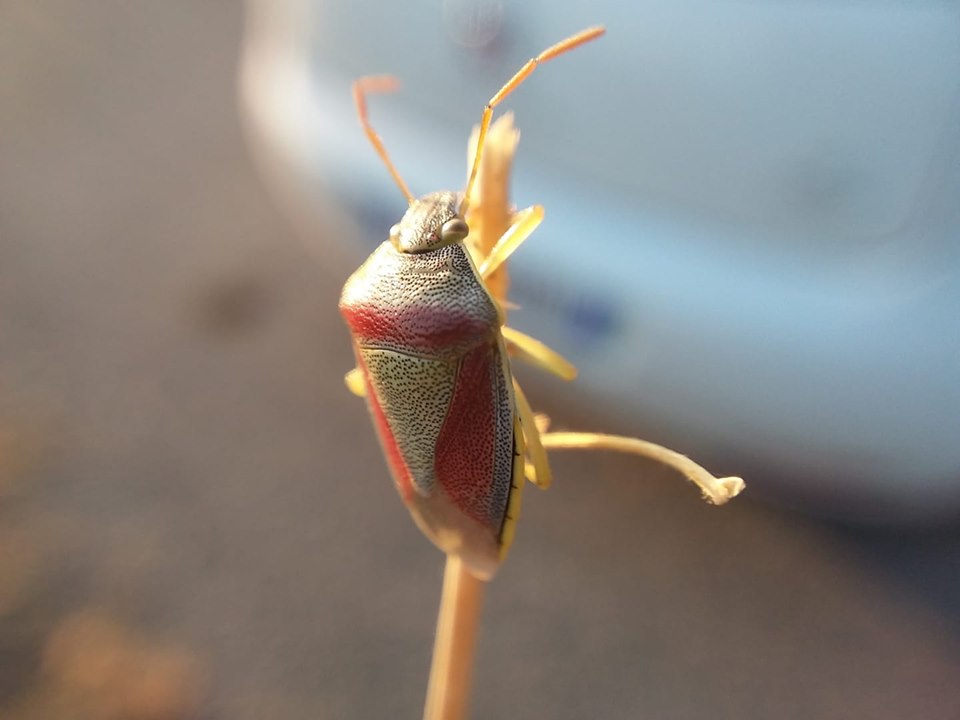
[750,250]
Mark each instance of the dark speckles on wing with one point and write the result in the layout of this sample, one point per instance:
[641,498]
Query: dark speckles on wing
[415,395]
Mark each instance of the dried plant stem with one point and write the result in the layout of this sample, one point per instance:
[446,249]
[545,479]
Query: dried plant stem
[448,693]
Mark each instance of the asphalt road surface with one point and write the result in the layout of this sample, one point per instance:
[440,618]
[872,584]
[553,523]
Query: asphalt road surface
[178,455]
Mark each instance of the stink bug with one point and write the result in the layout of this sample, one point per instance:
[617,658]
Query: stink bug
[432,361]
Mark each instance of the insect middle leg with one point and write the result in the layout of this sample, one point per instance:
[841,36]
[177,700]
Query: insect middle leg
[537,469]
[538,354]
[530,349]
[355,382]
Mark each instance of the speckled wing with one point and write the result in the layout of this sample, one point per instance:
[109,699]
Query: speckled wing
[413,394]
[451,449]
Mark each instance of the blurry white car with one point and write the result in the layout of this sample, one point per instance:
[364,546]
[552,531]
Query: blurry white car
[752,240]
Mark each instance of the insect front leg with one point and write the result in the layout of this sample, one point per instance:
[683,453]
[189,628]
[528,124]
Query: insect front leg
[538,354]
[525,222]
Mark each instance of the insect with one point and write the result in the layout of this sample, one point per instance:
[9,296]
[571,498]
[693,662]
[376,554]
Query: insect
[433,361]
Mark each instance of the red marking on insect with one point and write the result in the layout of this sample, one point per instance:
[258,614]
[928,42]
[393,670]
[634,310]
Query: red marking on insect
[418,328]
[465,448]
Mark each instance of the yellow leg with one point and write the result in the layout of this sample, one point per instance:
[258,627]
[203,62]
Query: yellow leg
[525,222]
[354,382]
[538,469]
[715,490]
[516,491]
[536,353]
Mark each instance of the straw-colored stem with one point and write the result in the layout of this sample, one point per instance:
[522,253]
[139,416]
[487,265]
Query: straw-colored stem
[489,216]
[448,693]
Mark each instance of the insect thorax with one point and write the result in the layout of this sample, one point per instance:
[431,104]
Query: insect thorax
[427,304]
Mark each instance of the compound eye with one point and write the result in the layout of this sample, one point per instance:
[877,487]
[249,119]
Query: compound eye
[453,231]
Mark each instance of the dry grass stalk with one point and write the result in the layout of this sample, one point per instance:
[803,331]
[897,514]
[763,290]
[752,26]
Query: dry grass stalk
[489,216]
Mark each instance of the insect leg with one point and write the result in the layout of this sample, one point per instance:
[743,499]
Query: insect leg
[516,490]
[551,52]
[525,223]
[715,490]
[536,353]
[378,84]
[355,383]
[538,469]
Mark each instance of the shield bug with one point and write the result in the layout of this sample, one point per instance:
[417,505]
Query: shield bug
[432,358]
[433,361]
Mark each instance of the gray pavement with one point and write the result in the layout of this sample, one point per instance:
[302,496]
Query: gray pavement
[170,374]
